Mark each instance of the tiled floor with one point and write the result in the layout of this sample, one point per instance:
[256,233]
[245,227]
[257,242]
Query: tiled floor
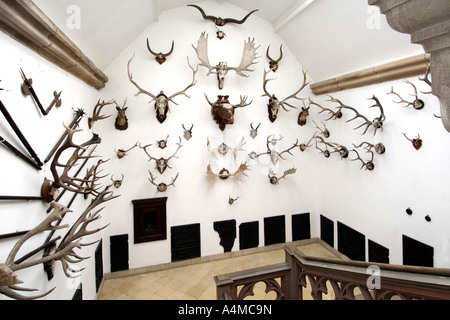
[194,282]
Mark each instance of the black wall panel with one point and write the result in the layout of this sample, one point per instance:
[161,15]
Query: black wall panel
[274,230]
[378,253]
[416,253]
[98,265]
[327,230]
[185,242]
[249,235]
[119,252]
[227,233]
[351,243]
[301,227]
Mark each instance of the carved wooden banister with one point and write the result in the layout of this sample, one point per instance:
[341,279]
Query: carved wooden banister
[342,279]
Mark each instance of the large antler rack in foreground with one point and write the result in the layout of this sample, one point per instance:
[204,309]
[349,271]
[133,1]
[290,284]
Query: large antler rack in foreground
[64,252]
[50,188]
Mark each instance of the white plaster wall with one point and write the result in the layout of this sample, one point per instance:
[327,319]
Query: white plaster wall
[194,199]
[20,179]
[374,202]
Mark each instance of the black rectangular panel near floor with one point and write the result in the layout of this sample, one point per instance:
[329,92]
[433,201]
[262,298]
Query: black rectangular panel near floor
[327,230]
[378,253]
[78,295]
[185,242]
[301,228]
[98,265]
[119,252]
[351,243]
[248,235]
[274,230]
[416,253]
[227,233]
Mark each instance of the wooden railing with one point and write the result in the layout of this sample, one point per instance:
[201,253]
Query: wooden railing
[302,277]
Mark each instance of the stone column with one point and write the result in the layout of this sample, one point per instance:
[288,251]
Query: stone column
[428,23]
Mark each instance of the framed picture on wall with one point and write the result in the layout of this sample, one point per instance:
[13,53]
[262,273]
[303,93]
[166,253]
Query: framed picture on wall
[150,221]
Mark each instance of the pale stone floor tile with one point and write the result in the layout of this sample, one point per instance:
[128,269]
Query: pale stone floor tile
[193,282]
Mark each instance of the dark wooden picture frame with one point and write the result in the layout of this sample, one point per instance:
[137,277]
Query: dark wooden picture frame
[150,222]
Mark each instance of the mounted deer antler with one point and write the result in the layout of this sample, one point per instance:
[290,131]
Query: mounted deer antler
[416,103]
[426,78]
[161,187]
[161,100]
[64,252]
[275,104]
[325,131]
[333,115]
[274,180]
[221,21]
[187,132]
[377,123]
[117,182]
[254,131]
[96,114]
[162,164]
[379,147]
[223,148]
[50,188]
[225,174]
[160,57]
[416,142]
[221,69]
[275,155]
[122,153]
[368,164]
[273,64]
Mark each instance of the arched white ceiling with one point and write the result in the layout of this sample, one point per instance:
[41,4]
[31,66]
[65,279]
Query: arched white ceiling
[328,37]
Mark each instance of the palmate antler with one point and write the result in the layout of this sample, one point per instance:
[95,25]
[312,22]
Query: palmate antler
[63,180]
[221,69]
[64,252]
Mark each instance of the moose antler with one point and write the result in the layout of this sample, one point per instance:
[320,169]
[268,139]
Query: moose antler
[50,188]
[225,174]
[221,69]
[274,179]
[416,103]
[96,113]
[160,57]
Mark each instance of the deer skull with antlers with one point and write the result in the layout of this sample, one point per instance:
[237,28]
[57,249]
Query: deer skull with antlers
[273,179]
[222,68]
[162,163]
[416,103]
[275,104]
[161,100]
[222,110]
[161,187]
